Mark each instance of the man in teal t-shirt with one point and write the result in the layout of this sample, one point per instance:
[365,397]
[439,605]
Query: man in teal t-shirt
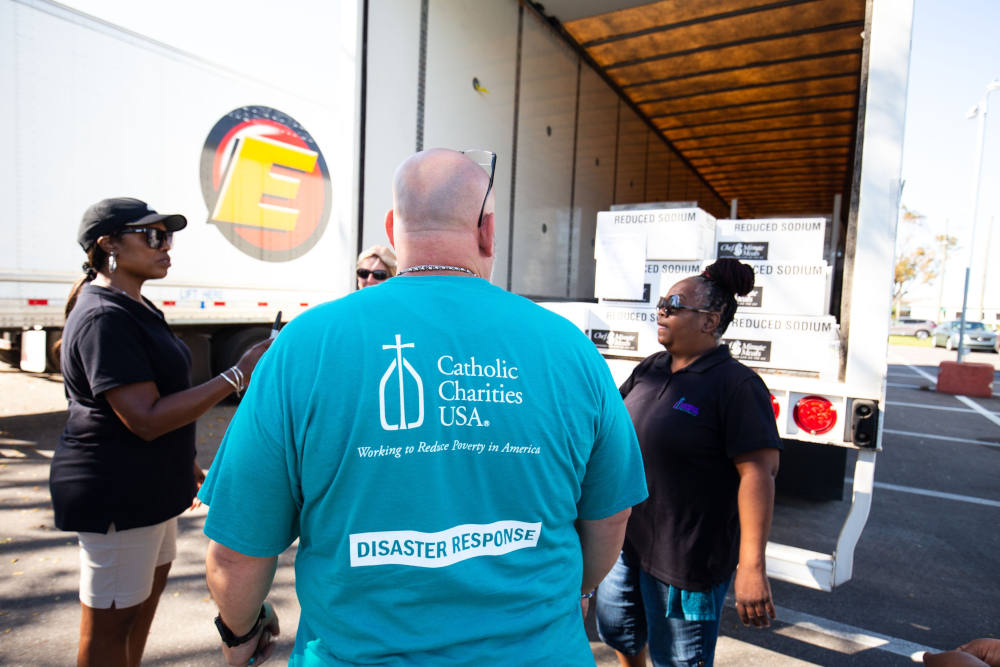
[456,461]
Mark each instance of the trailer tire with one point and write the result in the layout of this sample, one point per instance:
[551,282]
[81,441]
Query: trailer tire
[53,344]
[10,357]
[228,348]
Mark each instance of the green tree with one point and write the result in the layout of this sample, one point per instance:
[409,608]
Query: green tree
[918,265]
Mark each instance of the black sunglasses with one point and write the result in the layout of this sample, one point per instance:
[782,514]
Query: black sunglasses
[482,157]
[154,235]
[377,274]
[672,304]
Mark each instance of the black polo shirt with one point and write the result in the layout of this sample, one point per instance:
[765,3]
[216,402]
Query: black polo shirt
[690,425]
[101,471]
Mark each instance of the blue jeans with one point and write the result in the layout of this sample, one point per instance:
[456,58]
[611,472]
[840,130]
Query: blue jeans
[632,606]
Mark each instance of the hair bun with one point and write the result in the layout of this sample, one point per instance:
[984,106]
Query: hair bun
[731,275]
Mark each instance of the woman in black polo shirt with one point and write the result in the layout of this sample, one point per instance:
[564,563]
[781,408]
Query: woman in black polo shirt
[710,446]
[125,465]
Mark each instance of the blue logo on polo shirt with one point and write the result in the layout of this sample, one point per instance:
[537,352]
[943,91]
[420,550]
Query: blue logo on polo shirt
[686,407]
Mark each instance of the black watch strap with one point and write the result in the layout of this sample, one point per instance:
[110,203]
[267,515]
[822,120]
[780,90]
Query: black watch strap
[231,640]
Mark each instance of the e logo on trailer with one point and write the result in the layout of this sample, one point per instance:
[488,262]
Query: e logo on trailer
[265,183]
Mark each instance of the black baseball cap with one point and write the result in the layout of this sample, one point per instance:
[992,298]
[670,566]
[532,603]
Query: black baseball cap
[112,215]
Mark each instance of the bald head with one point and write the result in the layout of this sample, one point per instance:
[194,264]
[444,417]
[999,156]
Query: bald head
[439,190]
[436,197]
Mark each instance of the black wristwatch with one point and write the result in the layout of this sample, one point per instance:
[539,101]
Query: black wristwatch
[231,640]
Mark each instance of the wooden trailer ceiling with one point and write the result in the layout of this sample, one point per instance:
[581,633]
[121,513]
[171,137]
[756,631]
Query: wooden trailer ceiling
[760,97]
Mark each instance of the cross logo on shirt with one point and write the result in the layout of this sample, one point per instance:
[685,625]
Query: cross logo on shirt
[397,365]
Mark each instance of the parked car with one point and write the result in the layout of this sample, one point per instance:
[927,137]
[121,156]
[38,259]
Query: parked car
[977,336]
[911,326]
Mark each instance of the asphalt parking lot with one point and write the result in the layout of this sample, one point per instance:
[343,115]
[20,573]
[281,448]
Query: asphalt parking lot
[925,571]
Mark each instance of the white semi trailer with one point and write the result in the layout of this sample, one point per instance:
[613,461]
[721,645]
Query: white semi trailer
[263,171]
[275,129]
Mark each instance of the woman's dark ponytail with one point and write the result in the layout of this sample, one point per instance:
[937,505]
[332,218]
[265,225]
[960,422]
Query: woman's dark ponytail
[723,280]
[96,258]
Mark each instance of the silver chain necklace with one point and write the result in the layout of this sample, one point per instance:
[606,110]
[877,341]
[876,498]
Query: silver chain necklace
[436,267]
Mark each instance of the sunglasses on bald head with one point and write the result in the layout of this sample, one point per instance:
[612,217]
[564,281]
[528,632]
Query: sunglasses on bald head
[155,237]
[377,274]
[672,304]
[488,161]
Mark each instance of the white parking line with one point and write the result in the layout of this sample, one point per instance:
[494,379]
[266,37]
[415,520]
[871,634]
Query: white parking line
[797,620]
[933,494]
[964,399]
[924,406]
[978,408]
[924,374]
[966,441]
[906,386]
[850,633]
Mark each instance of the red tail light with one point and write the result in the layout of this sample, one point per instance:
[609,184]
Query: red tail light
[775,406]
[815,415]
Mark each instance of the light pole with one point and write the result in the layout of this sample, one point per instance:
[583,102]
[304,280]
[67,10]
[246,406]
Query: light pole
[986,269]
[940,312]
[980,110]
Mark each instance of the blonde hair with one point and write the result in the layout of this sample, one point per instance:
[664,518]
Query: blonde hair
[384,253]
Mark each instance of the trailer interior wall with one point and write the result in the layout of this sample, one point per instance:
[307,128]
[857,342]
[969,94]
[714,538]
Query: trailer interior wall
[567,146]
[469,40]
[390,90]
[594,184]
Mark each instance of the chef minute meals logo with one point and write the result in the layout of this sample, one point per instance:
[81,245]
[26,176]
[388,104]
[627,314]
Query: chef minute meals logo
[265,183]
[742,249]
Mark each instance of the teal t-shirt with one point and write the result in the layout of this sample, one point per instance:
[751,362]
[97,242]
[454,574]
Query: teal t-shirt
[431,442]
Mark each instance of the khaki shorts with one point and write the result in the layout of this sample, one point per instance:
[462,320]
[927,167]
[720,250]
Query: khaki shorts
[117,567]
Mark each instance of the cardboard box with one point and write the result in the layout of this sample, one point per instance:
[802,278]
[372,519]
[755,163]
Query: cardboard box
[775,240]
[779,287]
[677,233]
[660,275]
[576,312]
[786,342]
[623,331]
[809,345]
[789,288]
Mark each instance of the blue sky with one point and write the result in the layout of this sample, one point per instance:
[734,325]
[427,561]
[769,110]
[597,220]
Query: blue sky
[955,54]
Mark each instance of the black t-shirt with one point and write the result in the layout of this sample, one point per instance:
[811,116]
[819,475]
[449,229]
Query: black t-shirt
[690,425]
[101,471]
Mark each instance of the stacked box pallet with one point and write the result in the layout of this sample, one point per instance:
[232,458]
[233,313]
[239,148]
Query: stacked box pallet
[783,324]
[639,255]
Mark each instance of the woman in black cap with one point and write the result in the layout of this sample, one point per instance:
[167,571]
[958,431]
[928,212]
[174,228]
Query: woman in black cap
[710,446]
[125,465]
